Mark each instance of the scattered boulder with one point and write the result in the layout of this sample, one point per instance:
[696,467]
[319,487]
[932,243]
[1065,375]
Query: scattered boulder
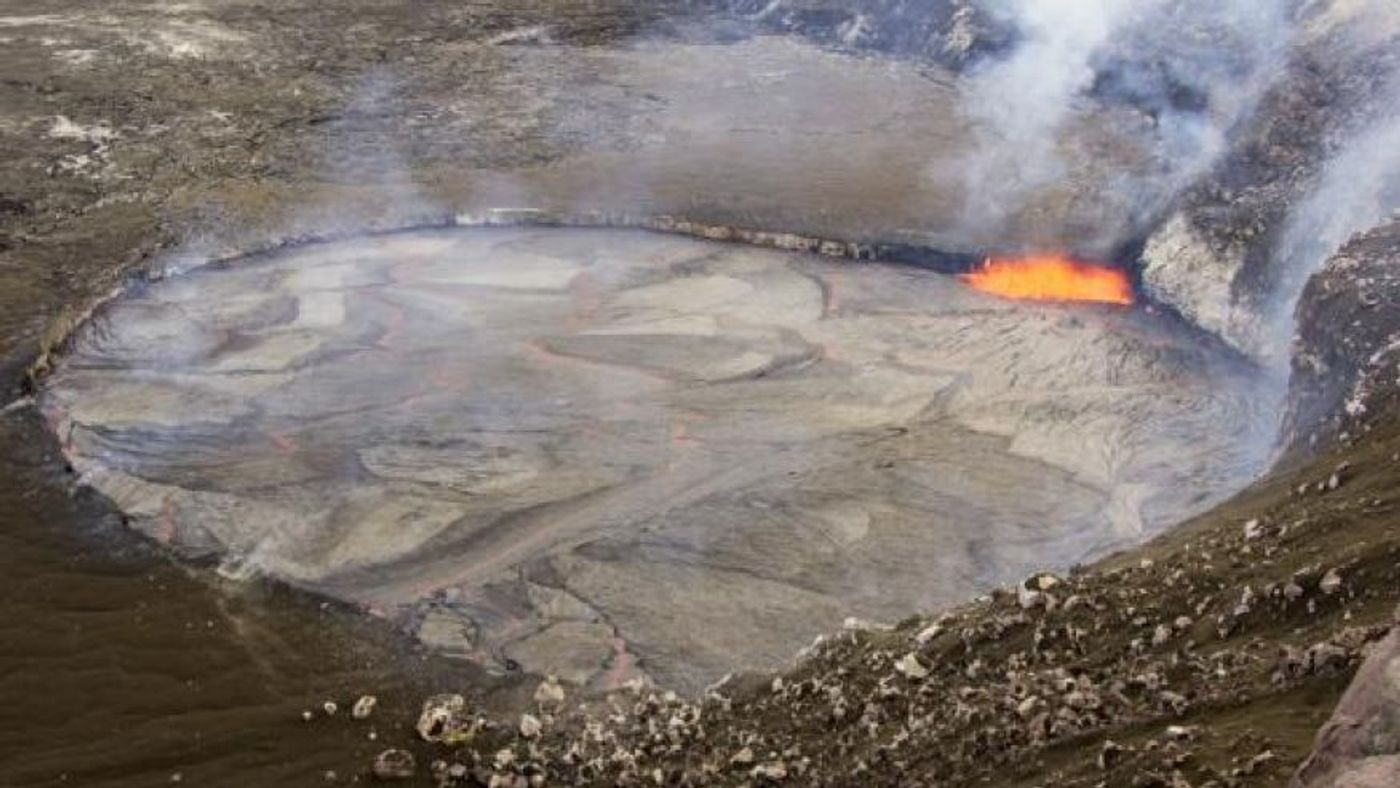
[1330,583]
[364,707]
[911,668]
[549,695]
[441,716]
[393,764]
[1109,754]
[1252,529]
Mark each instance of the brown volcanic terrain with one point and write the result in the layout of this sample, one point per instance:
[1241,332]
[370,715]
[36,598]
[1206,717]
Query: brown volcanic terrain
[136,135]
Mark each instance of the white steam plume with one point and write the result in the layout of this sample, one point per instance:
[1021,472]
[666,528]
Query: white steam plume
[1359,188]
[1020,103]
[1196,67]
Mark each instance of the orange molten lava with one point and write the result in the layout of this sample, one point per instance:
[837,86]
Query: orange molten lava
[1051,278]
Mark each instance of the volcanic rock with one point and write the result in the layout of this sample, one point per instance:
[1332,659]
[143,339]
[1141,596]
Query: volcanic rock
[442,716]
[393,765]
[910,667]
[364,707]
[1360,745]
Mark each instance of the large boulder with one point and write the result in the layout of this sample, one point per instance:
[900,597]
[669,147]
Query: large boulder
[1360,746]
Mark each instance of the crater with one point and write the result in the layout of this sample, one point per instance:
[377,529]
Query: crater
[611,454]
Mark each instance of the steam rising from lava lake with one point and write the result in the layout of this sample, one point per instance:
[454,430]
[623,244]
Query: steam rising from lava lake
[601,453]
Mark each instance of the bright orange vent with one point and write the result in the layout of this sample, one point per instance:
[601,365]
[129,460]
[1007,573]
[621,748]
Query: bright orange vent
[1051,277]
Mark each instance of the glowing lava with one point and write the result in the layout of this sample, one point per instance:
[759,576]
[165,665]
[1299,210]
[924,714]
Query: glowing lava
[1051,278]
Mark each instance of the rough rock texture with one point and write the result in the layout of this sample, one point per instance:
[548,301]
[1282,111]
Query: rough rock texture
[951,33]
[1346,363]
[589,452]
[1219,258]
[1360,746]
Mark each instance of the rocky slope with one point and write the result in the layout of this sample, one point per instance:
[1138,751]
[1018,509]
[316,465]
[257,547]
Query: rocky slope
[1346,363]
[1239,244]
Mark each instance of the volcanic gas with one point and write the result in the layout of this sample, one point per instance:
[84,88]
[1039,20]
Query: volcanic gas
[1051,277]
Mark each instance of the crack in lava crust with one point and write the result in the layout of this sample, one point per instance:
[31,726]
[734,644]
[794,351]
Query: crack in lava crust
[600,453]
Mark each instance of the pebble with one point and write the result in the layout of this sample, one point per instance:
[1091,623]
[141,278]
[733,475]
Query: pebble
[441,715]
[775,772]
[549,694]
[1181,732]
[530,726]
[393,764]
[1252,530]
[1109,754]
[853,624]
[928,633]
[503,758]
[1029,599]
[1330,582]
[910,666]
[364,707]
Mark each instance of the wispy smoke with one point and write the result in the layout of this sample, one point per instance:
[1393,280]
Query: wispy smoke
[1359,188]
[1193,68]
[1020,103]
[366,146]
